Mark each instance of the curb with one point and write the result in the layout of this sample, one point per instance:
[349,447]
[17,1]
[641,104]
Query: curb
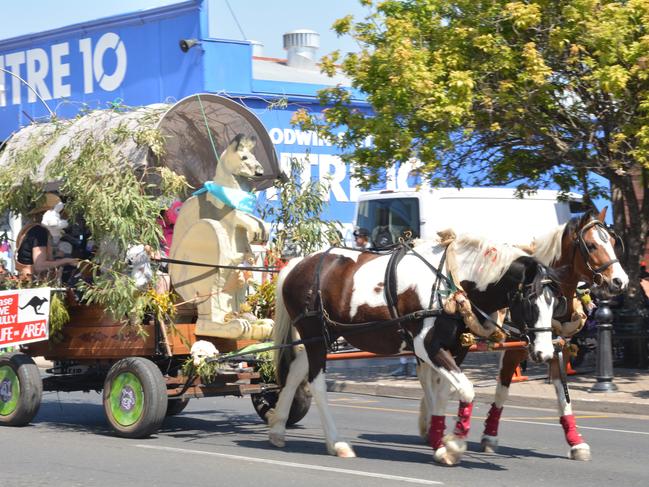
[600,403]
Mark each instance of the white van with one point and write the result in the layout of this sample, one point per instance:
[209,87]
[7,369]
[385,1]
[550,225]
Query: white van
[495,213]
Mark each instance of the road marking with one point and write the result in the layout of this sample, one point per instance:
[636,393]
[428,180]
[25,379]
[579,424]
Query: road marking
[581,427]
[305,466]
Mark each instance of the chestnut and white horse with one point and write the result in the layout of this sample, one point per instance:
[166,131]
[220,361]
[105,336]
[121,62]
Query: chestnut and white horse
[350,294]
[582,250]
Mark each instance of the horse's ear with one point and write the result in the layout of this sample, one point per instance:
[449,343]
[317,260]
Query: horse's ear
[602,214]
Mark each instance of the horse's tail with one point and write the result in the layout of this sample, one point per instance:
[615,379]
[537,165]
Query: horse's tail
[283,331]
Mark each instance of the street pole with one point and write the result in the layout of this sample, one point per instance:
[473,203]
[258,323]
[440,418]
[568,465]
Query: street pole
[604,365]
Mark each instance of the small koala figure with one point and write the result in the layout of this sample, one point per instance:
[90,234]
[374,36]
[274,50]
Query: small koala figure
[140,261]
[54,223]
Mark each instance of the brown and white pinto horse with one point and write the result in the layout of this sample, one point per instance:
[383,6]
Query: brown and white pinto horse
[581,250]
[348,287]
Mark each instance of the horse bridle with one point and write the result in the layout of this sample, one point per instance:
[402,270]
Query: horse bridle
[526,293]
[585,252]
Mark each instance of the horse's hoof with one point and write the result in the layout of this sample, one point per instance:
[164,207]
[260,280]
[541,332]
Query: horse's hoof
[489,444]
[442,457]
[455,447]
[277,439]
[343,450]
[580,452]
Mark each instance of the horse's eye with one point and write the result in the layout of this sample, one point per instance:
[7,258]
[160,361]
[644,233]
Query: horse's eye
[590,246]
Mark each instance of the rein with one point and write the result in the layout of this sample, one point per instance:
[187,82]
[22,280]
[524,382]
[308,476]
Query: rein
[216,266]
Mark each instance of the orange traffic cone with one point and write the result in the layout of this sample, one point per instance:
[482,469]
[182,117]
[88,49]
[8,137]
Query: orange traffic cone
[518,375]
[569,369]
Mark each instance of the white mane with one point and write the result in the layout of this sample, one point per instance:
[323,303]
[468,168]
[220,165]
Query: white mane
[547,247]
[480,260]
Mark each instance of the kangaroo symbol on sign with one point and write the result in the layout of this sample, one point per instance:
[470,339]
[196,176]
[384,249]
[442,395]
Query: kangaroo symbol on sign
[35,303]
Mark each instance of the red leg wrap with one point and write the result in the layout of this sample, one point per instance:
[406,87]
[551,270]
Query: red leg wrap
[463,423]
[436,431]
[492,421]
[570,430]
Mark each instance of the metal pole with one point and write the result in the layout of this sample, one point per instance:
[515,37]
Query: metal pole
[604,366]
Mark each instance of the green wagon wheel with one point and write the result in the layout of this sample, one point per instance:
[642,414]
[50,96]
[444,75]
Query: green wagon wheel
[9,390]
[135,397]
[126,399]
[21,389]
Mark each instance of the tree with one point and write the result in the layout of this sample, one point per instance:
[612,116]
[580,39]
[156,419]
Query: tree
[295,216]
[526,92]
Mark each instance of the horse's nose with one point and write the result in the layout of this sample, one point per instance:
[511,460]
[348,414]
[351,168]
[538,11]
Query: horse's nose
[617,284]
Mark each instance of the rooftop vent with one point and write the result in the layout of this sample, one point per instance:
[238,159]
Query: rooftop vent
[301,46]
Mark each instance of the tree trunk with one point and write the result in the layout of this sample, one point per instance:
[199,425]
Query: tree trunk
[630,223]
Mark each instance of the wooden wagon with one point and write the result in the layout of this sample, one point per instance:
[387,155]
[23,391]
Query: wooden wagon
[140,371]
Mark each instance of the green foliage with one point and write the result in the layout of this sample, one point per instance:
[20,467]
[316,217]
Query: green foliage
[526,92]
[262,300]
[295,218]
[266,366]
[119,203]
[59,316]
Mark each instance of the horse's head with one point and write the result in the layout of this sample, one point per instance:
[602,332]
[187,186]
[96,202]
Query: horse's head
[534,300]
[239,160]
[593,249]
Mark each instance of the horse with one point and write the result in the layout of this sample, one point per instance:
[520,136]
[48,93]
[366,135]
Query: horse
[384,305]
[581,250]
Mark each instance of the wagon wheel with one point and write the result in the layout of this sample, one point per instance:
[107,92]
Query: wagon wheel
[135,397]
[176,406]
[21,389]
[265,401]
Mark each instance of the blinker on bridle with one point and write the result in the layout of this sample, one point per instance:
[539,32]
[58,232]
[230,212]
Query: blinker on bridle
[526,298]
[598,278]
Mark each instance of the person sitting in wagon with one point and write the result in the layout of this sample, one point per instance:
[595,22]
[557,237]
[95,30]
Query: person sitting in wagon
[35,242]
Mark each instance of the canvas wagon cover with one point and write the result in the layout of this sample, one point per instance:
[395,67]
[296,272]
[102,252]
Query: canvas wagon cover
[196,130]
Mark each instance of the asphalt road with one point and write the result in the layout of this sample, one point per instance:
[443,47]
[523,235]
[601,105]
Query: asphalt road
[221,442]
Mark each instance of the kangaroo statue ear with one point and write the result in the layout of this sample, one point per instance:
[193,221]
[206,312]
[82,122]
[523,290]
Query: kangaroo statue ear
[242,141]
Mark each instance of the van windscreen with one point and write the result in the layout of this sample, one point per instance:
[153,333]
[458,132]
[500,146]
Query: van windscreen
[388,219]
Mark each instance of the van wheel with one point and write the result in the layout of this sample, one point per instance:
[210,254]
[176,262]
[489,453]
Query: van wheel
[21,389]
[265,401]
[135,397]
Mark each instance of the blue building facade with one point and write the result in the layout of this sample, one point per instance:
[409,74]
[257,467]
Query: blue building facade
[136,59]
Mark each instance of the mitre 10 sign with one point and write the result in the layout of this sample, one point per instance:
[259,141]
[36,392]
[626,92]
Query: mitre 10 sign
[24,316]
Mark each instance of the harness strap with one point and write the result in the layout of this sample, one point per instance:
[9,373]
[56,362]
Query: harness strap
[390,288]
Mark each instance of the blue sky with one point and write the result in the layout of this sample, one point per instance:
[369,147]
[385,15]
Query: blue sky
[261,20]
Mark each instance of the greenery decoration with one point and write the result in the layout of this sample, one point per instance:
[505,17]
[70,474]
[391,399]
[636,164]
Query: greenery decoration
[296,226]
[119,203]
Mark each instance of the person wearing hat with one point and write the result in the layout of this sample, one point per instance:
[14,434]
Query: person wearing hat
[362,239]
[34,257]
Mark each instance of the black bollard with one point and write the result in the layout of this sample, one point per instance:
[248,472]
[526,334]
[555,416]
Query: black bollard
[604,366]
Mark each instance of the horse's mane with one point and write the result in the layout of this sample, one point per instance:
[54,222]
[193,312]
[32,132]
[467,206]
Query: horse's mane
[547,247]
[485,261]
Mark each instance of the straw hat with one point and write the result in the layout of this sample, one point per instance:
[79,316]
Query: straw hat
[47,202]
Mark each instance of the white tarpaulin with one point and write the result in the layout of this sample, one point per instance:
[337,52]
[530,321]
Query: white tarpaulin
[196,130]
